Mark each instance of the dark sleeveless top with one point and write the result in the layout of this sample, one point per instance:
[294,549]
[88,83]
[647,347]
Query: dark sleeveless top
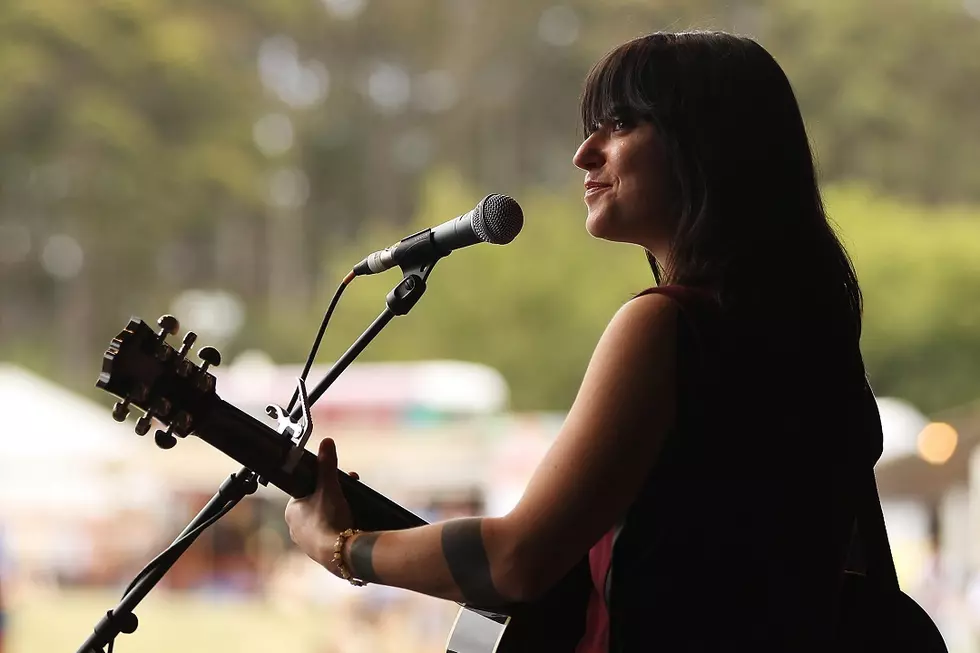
[738,538]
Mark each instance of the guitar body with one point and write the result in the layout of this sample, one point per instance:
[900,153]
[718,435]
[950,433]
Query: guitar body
[555,623]
[875,619]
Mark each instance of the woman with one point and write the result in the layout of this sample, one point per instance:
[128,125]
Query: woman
[704,466]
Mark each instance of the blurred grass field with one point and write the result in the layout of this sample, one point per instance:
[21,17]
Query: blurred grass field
[59,621]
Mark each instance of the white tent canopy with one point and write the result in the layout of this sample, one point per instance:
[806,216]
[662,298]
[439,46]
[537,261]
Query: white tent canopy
[60,451]
[65,467]
[441,385]
[42,420]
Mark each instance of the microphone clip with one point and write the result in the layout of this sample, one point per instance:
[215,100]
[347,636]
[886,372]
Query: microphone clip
[298,432]
[403,297]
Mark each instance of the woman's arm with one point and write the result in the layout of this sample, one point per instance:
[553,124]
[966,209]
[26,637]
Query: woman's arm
[583,486]
[462,560]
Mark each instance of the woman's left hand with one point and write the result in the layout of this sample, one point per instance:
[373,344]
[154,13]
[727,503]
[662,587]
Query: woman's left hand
[315,521]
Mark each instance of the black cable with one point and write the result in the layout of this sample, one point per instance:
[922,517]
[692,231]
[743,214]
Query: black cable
[319,336]
[170,549]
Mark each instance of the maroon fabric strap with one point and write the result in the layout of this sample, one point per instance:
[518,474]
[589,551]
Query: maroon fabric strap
[596,637]
[686,296]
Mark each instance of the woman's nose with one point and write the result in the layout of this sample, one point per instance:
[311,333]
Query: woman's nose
[589,154]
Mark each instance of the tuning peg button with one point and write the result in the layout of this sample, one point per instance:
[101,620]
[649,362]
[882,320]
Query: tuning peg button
[168,326]
[165,439]
[210,356]
[143,424]
[187,343]
[120,410]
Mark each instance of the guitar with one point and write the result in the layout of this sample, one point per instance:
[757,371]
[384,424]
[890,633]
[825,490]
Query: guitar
[143,370]
[885,619]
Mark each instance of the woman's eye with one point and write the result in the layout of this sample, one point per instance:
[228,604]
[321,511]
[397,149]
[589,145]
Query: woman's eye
[613,124]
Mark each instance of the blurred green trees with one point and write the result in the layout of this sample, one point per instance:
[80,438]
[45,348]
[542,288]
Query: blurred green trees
[919,268]
[150,147]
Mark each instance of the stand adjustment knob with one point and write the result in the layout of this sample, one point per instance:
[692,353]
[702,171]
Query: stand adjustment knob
[127,622]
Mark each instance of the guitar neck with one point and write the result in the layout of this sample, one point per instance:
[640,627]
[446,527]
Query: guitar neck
[261,449]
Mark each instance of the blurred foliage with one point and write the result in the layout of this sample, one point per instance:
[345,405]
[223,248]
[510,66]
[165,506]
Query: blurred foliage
[125,127]
[155,146]
[890,90]
[919,268]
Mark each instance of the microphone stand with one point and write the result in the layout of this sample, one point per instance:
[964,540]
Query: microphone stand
[237,486]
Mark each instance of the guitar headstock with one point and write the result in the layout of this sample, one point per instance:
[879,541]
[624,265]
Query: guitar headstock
[145,371]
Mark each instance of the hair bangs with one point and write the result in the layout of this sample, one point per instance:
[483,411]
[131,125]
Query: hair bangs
[614,89]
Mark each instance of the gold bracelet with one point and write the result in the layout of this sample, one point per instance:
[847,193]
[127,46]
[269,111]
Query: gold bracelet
[338,557]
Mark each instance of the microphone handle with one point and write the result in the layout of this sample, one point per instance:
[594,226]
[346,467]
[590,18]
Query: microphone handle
[421,247]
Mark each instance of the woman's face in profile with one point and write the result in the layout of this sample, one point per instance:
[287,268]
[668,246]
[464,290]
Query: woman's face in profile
[625,184]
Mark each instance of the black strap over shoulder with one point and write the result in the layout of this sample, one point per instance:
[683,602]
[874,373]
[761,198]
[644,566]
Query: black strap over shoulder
[875,614]
[870,550]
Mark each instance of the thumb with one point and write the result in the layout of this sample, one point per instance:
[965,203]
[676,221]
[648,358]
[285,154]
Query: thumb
[327,453]
[327,463]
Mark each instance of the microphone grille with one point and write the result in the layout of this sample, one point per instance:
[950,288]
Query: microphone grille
[498,219]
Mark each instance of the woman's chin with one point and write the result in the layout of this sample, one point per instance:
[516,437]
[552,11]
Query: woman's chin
[596,225]
[599,226]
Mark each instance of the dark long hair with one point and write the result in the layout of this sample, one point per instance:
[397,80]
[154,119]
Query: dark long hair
[751,222]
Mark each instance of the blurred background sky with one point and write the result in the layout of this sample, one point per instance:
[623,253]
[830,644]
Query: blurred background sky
[228,162]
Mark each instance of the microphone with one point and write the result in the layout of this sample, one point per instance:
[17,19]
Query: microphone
[497,219]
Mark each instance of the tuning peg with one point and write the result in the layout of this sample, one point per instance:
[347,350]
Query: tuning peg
[184,366]
[120,410]
[165,439]
[168,325]
[143,424]
[210,356]
[188,342]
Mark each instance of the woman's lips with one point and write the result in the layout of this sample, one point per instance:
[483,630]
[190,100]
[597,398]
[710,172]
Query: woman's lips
[592,189]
